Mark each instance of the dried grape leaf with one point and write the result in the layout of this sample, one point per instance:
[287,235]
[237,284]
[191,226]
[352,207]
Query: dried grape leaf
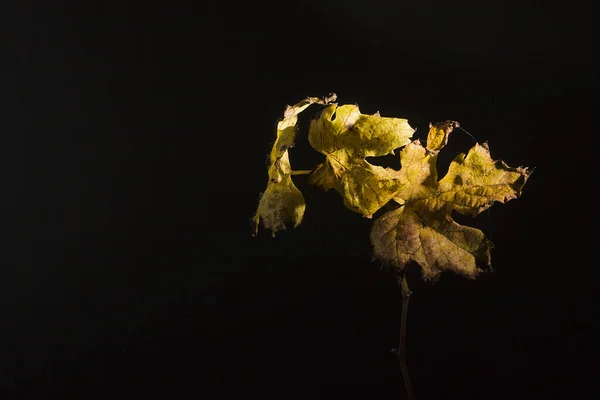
[439,133]
[282,202]
[422,228]
[346,137]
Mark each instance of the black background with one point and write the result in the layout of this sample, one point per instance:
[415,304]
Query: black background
[135,138]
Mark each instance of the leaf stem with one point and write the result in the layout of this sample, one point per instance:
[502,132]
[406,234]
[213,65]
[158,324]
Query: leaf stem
[401,352]
[301,172]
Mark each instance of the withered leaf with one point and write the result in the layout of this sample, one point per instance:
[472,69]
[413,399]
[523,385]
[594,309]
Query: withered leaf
[422,228]
[346,137]
[282,202]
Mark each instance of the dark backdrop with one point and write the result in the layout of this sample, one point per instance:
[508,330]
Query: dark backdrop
[135,137]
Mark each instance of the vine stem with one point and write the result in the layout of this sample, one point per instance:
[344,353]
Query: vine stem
[401,352]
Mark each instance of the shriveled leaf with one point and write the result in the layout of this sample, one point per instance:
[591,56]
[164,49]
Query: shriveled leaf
[282,202]
[346,137]
[422,228]
[475,181]
[432,239]
[439,134]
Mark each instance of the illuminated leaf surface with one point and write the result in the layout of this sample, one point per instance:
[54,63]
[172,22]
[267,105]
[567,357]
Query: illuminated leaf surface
[422,228]
[346,137]
[439,133]
[282,202]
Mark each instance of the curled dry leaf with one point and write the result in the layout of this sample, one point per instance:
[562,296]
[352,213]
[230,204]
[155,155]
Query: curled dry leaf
[439,134]
[422,228]
[282,202]
[346,137]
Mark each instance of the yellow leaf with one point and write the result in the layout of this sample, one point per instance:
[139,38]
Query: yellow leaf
[439,133]
[282,202]
[422,228]
[346,137]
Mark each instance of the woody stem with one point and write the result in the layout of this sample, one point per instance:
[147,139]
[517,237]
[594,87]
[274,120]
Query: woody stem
[401,352]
